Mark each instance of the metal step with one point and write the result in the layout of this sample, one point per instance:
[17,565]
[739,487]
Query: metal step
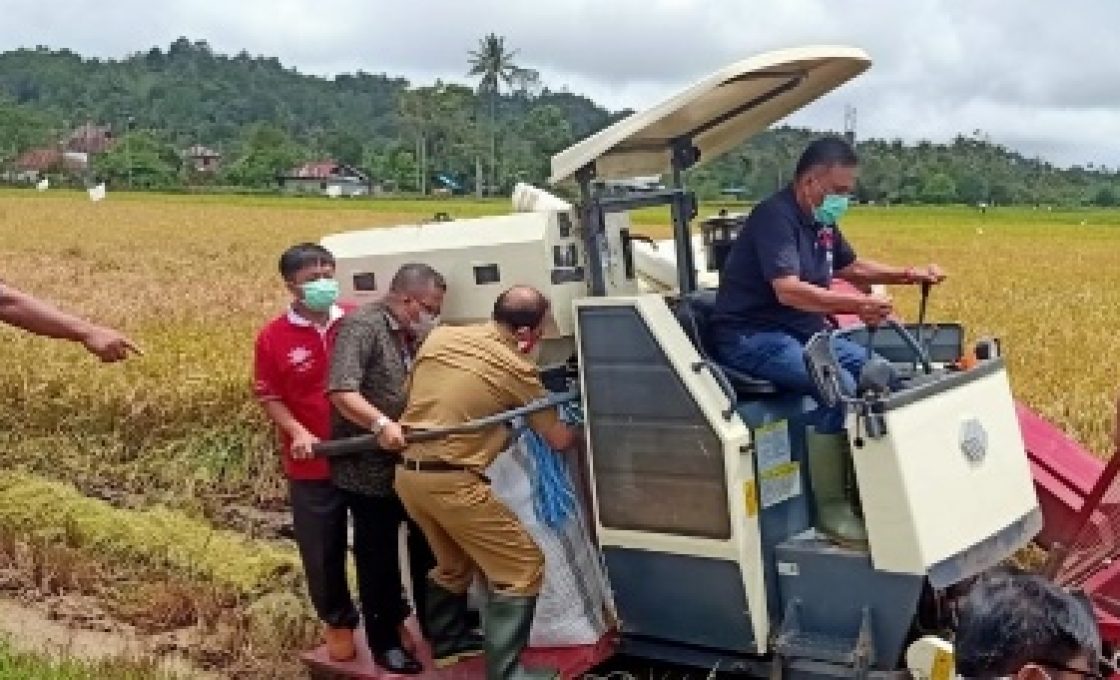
[818,647]
[794,642]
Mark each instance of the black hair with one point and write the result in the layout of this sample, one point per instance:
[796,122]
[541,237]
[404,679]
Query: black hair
[1008,620]
[520,307]
[826,152]
[415,278]
[303,255]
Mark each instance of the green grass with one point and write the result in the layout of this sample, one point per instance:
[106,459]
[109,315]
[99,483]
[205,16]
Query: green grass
[156,536]
[18,665]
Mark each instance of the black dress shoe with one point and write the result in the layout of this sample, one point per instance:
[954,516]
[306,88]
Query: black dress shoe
[397,660]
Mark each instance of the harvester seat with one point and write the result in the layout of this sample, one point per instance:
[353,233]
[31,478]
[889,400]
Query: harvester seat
[694,311]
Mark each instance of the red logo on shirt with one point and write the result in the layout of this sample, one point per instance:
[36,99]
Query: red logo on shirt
[300,358]
[825,238]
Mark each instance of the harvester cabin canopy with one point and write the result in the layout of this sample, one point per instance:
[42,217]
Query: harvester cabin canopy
[714,115]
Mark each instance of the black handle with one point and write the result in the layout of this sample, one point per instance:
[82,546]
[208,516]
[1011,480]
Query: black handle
[926,286]
[343,447]
[643,238]
[912,344]
[368,442]
[722,381]
[365,442]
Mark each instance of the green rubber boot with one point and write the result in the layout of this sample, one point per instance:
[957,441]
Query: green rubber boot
[448,627]
[839,515]
[508,619]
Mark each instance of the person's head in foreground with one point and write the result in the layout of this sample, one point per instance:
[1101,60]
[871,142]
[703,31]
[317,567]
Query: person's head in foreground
[1022,626]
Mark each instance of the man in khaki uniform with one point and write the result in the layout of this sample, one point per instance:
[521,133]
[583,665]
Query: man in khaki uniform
[462,374]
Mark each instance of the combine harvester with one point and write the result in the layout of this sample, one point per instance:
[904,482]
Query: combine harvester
[694,476]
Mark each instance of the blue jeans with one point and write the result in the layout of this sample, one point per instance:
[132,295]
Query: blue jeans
[780,358]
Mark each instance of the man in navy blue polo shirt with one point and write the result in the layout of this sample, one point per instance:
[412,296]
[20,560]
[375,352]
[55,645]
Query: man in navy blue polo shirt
[774,295]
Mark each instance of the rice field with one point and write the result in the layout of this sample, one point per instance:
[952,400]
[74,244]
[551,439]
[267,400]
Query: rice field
[172,442]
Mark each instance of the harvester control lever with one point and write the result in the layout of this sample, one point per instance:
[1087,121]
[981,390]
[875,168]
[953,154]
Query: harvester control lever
[913,344]
[366,442]
[926,287]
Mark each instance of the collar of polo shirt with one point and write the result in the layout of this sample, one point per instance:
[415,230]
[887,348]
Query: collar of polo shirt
[296,319]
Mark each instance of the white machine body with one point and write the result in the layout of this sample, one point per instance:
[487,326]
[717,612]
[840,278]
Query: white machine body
[480,258]
[656,265]
[950,473]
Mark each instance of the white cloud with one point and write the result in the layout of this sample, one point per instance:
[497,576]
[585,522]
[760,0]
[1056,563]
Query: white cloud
[1042,77]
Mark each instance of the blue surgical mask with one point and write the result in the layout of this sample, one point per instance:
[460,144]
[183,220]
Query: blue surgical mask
[831,209]
[319,294]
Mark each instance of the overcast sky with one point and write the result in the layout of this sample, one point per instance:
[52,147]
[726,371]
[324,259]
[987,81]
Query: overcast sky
[1040,76]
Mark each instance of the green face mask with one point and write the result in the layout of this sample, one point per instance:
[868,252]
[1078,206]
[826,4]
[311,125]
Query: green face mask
[831,209]
[319,294]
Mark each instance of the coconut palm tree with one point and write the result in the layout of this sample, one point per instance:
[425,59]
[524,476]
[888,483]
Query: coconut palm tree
[494,66]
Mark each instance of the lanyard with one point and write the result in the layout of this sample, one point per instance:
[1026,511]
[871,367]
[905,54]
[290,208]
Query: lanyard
[404,347]
[826,238]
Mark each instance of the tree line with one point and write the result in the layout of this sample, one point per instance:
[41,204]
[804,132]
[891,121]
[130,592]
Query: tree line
[264,119]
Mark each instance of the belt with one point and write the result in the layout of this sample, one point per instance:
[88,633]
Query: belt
[432,466]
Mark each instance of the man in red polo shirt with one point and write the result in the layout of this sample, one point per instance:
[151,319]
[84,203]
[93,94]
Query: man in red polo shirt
[292,359]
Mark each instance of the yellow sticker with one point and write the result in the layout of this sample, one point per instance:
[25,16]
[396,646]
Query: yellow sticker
[750,498]
[780,470]
[942,665]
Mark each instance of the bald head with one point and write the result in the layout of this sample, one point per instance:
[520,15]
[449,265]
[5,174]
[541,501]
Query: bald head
[521,307]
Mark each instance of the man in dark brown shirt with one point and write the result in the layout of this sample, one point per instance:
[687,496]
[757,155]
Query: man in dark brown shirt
[372,356]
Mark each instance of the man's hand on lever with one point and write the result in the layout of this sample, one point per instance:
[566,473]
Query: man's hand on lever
[303,445]
[930,274]
[391,436]
[873,310]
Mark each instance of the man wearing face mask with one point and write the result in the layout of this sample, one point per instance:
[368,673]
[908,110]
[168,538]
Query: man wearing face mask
[291,360]
[463,374]
[774,295]
[372,357]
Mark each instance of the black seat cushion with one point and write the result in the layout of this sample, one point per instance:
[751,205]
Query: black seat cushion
[694,311]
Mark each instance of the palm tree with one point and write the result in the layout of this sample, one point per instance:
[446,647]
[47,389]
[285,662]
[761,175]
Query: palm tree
[494,66]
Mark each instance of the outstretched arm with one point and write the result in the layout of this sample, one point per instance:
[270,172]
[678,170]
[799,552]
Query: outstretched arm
[31,314]
[868,272]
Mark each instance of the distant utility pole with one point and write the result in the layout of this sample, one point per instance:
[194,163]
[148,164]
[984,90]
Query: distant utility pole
[128,148]
[850,124]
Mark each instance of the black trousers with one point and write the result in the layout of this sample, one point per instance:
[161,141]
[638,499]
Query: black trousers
[377,523]
[319,514]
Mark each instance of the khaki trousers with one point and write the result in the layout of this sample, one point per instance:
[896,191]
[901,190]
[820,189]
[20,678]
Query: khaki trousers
[467,527]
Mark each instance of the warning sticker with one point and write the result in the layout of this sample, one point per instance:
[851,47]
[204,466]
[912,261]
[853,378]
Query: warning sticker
[779,476]
[750,498]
